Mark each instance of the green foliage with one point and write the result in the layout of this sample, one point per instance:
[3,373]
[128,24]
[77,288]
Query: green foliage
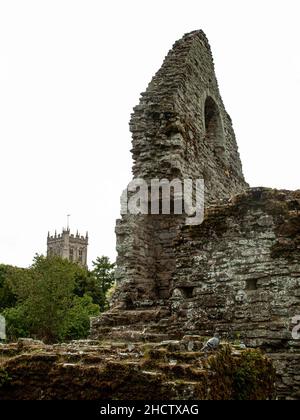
[53,299]
[252,374]
[96,283]
[7,295]
[4,377]
[77,320]
[49,296]
[46,305]
[86,284]
[248,377]
[17,324]
[103,272]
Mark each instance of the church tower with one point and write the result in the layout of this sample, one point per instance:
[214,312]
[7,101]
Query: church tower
[68,246]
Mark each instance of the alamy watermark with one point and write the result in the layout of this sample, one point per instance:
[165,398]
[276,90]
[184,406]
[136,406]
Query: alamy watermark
[2,328]
[296,329]
[165,197]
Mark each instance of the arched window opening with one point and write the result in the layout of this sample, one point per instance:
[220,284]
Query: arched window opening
[214,132]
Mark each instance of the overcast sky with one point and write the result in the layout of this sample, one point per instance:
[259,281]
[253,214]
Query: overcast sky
[70,74]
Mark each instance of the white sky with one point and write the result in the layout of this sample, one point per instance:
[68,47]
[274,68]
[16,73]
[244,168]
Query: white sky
[70,74]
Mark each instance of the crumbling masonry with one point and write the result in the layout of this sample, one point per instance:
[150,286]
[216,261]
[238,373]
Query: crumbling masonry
[239,271]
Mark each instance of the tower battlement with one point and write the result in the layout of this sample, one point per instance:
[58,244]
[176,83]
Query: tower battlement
[67,245]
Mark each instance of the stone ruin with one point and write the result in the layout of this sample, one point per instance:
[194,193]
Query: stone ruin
[108,370]
[239,271]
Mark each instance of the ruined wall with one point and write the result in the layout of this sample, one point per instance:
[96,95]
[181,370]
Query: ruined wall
[91,370]
[239,272]
[181,130]
[242,270]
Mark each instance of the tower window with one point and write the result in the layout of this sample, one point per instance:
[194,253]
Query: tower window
[71,254]
[80,254]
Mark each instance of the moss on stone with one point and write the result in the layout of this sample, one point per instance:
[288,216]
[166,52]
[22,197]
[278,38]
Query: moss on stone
[154,374]
[250,376]
[4,377]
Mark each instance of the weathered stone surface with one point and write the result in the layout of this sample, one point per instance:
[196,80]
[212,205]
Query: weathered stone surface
[239,271]
[88,370]
[180,129]
[241,263]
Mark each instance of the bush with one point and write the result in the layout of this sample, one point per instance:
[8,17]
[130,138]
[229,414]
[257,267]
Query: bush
[248,377]
[77,323]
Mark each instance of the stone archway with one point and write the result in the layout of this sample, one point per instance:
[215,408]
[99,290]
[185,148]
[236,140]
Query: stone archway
[214,131]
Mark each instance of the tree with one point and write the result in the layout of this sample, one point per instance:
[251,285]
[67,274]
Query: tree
[50,296]
[86,284]
[104,273]
[46,301]
[77,323]
[8,297]
[17,324]
[53,299]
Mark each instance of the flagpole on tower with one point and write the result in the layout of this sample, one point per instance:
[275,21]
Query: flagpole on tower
[68,221]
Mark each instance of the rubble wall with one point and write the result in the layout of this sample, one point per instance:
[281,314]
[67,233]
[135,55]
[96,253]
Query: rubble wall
[180,130]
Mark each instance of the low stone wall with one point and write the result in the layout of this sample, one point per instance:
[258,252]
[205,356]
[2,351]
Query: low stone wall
[171,370]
